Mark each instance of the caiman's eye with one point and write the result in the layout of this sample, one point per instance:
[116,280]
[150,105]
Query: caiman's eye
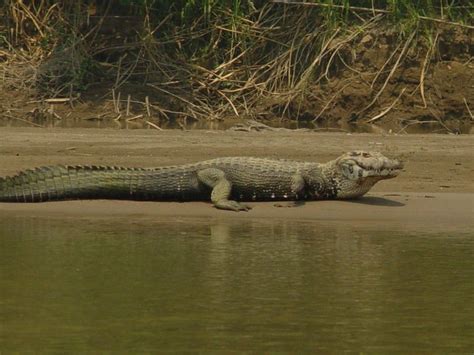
[366,155]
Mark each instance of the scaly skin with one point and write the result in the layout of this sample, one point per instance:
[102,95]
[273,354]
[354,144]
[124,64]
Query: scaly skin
[224,180]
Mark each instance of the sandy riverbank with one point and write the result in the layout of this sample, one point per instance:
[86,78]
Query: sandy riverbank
[439,212]
[435,191]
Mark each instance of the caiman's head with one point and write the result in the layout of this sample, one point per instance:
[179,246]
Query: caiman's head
[356,172]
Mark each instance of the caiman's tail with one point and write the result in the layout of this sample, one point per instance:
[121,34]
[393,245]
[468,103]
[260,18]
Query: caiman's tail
[75,182]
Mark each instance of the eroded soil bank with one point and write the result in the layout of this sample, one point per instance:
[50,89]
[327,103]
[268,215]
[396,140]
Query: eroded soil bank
[436,188]
[361,81]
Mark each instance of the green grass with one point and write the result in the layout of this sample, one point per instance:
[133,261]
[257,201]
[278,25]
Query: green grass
[400,10]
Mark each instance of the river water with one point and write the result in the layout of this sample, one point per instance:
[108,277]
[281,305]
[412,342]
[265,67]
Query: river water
[73,285]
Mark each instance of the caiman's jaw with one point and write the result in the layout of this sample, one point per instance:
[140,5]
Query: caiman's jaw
[358,164]
[358,171]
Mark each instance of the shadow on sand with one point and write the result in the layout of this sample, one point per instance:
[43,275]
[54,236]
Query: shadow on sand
[377,201]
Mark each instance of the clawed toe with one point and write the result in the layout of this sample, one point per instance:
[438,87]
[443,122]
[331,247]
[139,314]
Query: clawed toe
[244,207]
[232,206]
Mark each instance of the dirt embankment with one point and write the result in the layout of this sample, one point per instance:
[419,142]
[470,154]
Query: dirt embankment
[434,192]
[375,81]
[378,85]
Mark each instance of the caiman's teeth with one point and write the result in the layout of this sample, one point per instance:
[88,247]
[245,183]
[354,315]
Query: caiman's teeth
[380,172]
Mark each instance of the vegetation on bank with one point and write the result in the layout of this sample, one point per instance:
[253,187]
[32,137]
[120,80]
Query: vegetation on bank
[205,59]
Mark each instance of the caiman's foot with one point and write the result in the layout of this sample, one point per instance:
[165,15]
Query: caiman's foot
[221,188]
[231,205]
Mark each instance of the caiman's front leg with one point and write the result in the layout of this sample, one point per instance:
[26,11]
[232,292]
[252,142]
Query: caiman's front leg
[298,187]
[221,189]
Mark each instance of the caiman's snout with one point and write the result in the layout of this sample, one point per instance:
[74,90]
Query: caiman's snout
[356,172]
[359,165]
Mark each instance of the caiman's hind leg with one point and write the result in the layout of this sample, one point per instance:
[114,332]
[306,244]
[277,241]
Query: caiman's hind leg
[221,188]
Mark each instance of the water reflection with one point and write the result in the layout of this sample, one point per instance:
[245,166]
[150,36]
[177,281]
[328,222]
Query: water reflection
[210,285]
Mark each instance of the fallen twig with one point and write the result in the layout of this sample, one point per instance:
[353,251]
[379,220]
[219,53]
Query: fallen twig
[468,109]
[133,118]
[445,22]
[171,94]
[384,112]
[384,65]
[57,100]
[21,119]
[147,105]
[127,112]
[423,70]
[402,53]
[154,125]
[440,121]
[229,101]
[114,100]
[329,102]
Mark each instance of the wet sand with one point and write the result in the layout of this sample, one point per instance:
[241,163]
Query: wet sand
[407,211]
[434,193]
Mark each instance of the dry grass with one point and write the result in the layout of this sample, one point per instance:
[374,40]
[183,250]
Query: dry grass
[229,64]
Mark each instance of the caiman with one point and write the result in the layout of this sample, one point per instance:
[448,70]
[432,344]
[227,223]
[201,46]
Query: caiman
[225,181]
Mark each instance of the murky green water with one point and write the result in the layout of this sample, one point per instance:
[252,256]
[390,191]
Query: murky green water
[204,285]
